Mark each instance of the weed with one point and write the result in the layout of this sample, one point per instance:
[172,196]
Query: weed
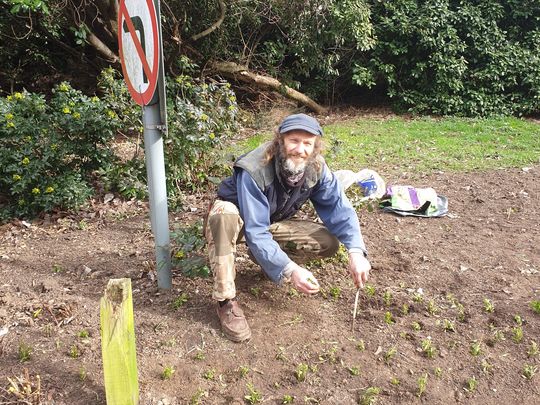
[471,384]
[83,334]
[360,345]
[432,307]
[517,334]
[293,292]
[210,374]
[461,312]
[56,269]
[335,292]
[428,348]
[405,309]
[416,326]
[24,352]
[301,372]
[369,396]
[189,243]
[529,371]
[475,348]
[196,399]
[388,318]
[387,298]
[48,330]
[395,381]
[24,389]
[329,355]
[74,352]
[254,396]
[389,355]
[518,320]
[82,374]
[422,385]
[243,370]
[488,306]
[255,291]
[486,366]
[287,399]
[179,301]
[370,290]
[417,297]
[533,350]
[438,372]
[354,370]
[167,372]
[448,325]
[535,306]
[498,336]
[199,355]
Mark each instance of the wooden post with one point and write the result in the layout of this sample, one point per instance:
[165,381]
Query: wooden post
[118,344]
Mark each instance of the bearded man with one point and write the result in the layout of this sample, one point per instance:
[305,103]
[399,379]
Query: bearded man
[268,186]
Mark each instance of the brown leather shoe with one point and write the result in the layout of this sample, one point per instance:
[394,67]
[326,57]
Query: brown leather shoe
[233,322]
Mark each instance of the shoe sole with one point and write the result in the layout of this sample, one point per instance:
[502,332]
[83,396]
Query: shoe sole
[237,338]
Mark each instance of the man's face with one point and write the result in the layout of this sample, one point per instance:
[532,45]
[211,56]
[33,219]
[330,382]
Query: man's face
[298,146]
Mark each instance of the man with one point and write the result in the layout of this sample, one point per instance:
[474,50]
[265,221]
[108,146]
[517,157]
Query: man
[268,186]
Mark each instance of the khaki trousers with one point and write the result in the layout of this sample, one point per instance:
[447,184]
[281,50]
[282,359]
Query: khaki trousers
[301,240]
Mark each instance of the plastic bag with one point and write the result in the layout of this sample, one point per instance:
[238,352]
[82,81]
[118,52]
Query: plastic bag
[369,181]
[420,202]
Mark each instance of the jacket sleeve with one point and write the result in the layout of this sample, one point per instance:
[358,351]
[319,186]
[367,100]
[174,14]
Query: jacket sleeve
[337,213]
[255,212]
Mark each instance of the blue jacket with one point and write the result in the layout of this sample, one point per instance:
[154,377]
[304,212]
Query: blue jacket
[262,199]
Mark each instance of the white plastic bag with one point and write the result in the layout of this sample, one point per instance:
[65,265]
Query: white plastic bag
[372,185]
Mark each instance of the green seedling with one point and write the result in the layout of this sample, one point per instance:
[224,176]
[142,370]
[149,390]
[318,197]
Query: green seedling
[388,318]
[301,372]
[199,355]
[48,330]
[329,355]
[517,334]
[395,381]
[428,349]
[448,325]
[498,336]
[486,366]
[438,372]
[405,309]
[82,225]
[56,269]
[210,374]
[255,291]
[471,384]
[360,345]
[197,398]
[243,370]
[389,355]
[416,326]
[475,348]
[74,352]
[387,298]
[417,297]
[254,396]
[422,385]
[461,312]
[432,307]
[354,370]
[488,306]
[518,320]
[313,368]
[24,352]
[370,290]
[167,372]
[287,399]
[369,396]
[533,349]
[535,306]
[293,292]
[529,371]
[82,374]
[179,301]
[452,299]
[83,334]
[335,292]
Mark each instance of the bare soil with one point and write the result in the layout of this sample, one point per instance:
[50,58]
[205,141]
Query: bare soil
[53,273]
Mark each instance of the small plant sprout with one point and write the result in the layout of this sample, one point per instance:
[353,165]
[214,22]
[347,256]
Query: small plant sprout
[422,385]
[179,301]
[197,398]
[254,396]
[301,372]
[255,291]
[56,269]
[287,399]
[416,326]
[438,372]
[428,348]
[354,370]
[535,306]
[471,384]
[83,334]
[405,309]
[517,334]
[360,345]
[387,298]
[518,320]
[432,307]
[417,297]
[74,352]
[167,372]
[199,355]
[488,306]
[243,371]
[389,355]
[388,318]
[83,374]
[448,325]
[461,312]
[475,348]
[529,371]
[533,349]
[24,352]
[498,336]
[395,381]
[210,374]
[335,292]
[369,396]
[370,290]
[486,366]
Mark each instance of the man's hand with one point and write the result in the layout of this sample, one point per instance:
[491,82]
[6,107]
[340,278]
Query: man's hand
[304,280]
[359,268]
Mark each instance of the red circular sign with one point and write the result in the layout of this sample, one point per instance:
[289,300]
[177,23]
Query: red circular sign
[139,48]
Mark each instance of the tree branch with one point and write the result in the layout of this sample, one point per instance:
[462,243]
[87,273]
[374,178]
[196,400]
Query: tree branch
[214,26]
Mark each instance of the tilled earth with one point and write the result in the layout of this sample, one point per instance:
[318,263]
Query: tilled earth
[448,311]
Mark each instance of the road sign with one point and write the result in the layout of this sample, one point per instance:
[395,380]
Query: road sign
[139,48]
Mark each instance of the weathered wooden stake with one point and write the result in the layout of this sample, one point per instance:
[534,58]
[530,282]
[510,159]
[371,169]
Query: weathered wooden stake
[118,344]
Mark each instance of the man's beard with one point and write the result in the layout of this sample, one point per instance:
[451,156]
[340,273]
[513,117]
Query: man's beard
[291,172]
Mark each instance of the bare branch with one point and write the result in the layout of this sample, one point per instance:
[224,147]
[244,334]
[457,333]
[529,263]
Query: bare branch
[214,26]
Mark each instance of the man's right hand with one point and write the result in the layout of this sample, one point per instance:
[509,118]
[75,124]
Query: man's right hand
[304,280]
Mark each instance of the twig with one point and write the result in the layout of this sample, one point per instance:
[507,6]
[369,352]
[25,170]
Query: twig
[355,307]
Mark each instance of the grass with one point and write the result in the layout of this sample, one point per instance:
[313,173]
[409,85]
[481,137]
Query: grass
[426,144]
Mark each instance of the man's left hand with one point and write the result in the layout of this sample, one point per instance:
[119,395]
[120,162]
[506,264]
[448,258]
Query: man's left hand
[359,268]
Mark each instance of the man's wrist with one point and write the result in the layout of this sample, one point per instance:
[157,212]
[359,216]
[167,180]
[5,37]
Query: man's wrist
[288,270]
[358,250]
